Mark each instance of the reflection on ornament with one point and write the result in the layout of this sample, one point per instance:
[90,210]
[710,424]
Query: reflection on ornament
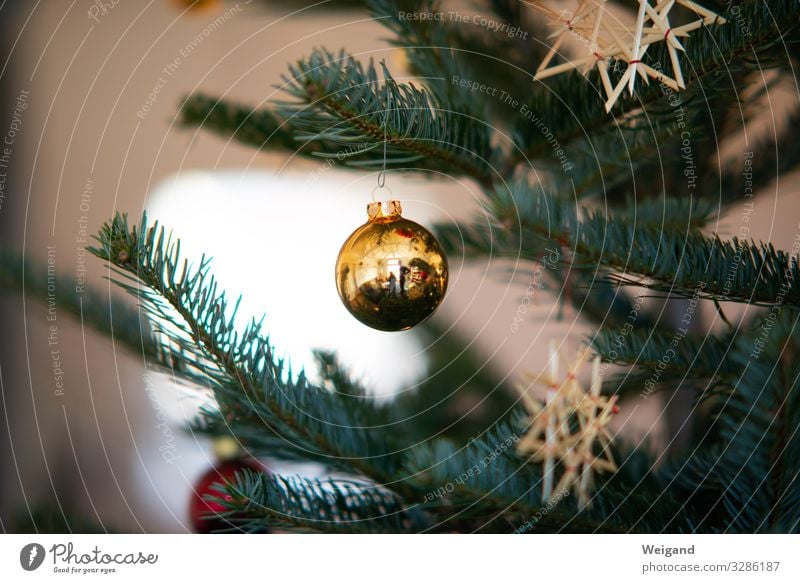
[391,272]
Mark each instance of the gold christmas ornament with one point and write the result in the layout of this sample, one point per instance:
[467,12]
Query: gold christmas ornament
[391,273]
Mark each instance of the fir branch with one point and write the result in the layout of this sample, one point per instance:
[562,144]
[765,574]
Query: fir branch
[428,46]
[643,159]
[663,213]
[335,377]
[750,462]
[260,128]
[665,358]
[683,262]
[459,375]
[594,296]
[339,109]
[339,100]
[486,486]
[255,501]
[446,51]
[252,387]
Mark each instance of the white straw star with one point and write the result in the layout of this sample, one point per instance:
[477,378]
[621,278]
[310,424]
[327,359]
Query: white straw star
[607,39]
[550,438]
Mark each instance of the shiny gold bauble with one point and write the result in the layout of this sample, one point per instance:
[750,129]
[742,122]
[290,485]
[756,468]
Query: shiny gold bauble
[391,272]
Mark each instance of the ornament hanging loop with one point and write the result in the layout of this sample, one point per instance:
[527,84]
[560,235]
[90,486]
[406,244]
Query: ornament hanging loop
[381,187]
[382,173]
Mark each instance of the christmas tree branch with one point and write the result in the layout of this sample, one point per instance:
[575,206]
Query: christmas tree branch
[487,485]
[256,501]
[251,385]
[340,110]
[751,463]
[338,99]
[433,61]
[260,128]
[639,161]
[681,262]
[665,358]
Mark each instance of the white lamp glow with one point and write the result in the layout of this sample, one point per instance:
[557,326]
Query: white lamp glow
[274,238]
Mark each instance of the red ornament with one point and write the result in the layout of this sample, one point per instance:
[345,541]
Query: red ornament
[204,513]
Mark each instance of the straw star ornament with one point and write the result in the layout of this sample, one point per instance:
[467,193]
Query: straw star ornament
[569,428]
[609,42]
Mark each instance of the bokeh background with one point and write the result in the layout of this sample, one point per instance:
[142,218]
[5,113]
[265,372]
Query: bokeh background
[89,93]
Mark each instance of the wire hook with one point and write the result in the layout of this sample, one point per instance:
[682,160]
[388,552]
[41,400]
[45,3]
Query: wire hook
[382,173]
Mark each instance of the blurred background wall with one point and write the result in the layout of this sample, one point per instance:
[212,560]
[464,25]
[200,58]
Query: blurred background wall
[90,90]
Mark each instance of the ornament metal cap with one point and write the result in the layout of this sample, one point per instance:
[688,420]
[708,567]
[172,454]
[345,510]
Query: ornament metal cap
[383,211]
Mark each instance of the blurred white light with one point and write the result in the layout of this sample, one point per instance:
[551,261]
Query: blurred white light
[274,238]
